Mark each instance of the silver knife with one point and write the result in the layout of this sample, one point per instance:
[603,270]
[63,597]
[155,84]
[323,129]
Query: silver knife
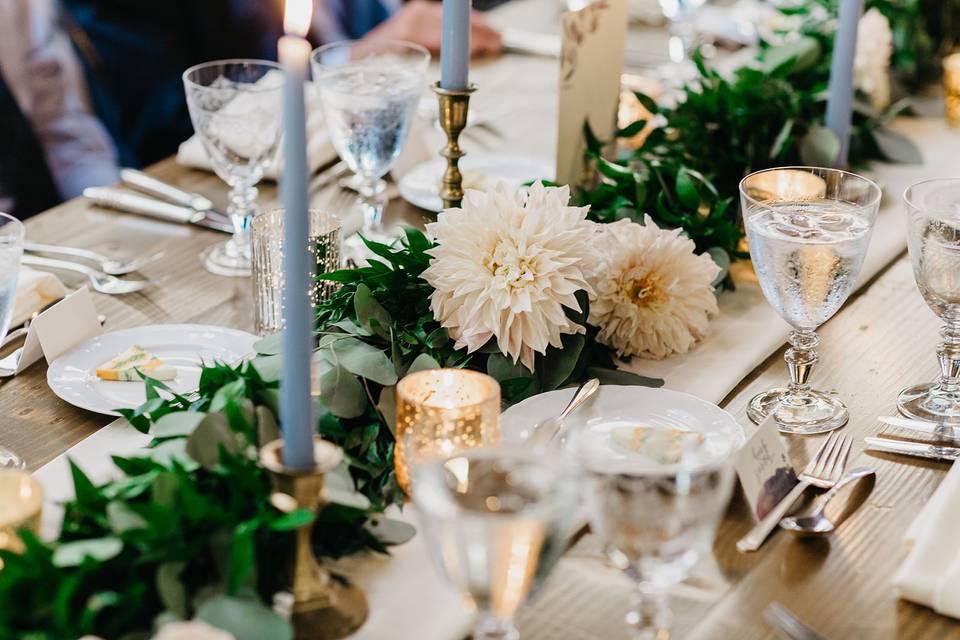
[918,449]
[149,185]
[120,200]
[922,426]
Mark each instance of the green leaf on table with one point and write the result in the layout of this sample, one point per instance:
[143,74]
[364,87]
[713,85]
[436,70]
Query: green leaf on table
[168,451]
[342,392]
[722,260]
[246,619]
[820,147]
[423,362]
[632,129]
[293,520]
[360,358]
[122,518]
[352,328]
[791,56]
[267,428]
[231,391]
[780,142]
[268,367]
[212,434]
[242,555]
[501,367]
[557,365]
[178,423]
[437,338]
[616,376]
[687,189]
[648,103]
[85,492]
[269,345]
[72,554]
[897,148]
[170,588]
[387,406]
[389,531]
[370,314]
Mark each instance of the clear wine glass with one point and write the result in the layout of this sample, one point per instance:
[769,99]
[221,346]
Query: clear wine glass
[808,230]
[933,237]
[11,250]
[655,517]
[235,106]
[496,520]
[369,92]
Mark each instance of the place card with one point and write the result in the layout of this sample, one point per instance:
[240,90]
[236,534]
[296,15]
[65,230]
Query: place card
[764,468]
[591,60]
[60,328]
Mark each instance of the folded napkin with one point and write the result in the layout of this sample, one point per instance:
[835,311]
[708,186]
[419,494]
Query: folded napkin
[35,290]
[319,149]
[930,574]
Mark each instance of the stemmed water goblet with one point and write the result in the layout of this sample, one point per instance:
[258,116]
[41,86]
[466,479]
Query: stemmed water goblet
[808,230]
[496,520]
[369,92]
[235,107]
[933,238]
[11,250]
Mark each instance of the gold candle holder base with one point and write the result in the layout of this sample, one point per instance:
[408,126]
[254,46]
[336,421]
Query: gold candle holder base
[325,607]
[454,105]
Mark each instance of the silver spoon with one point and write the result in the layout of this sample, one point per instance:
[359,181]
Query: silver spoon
[836,506]
[548,430]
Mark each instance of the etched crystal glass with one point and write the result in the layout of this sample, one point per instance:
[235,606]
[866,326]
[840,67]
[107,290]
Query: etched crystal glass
[808,230]
[235,107]
[933,238]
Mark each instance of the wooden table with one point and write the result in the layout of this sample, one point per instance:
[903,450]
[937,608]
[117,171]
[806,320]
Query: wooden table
[882,340]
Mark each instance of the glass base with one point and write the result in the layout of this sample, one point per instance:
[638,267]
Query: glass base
[922,403]
[10,460]
[815,413]
[224,259]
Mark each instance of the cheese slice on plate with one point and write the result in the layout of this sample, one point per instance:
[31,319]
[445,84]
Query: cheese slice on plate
[124,367]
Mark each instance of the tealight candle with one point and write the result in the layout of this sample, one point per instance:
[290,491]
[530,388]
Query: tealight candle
[951,86]
[441,412]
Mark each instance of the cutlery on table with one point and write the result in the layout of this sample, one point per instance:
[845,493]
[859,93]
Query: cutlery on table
[149,185]
[824,471]
[328,175]
[785,621]
[549,430]
[101,282]
[106,264]
[113,198]
[909,448]
[837,505]
[922,426]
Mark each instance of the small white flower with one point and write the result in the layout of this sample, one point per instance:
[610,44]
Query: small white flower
[506,266]
[871,63]
[654,294]
[193,630]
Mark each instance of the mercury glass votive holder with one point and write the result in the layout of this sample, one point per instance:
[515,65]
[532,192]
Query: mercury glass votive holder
[267,248]
[21,503]
[951,87]
[441,412]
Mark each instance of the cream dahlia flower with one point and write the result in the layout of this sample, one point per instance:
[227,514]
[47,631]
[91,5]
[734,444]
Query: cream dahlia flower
[654,294]
[506,265]
[871,63]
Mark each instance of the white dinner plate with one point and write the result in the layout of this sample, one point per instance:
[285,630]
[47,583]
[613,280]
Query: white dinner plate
[421,185]
[639,405]
[187,347]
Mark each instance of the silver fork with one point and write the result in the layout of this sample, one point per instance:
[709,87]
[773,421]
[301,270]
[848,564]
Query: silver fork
[824,470]
[99,281]
[107,264]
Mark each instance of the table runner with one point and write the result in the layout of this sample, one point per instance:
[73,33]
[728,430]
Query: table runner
[408,600]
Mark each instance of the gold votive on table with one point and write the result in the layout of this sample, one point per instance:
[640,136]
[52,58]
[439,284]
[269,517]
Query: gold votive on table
[951,87]
[21,502]
[441,412]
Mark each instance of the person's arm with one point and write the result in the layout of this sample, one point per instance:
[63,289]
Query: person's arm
[78,149]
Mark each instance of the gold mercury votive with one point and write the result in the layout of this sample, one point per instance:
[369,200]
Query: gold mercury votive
[21,502]
[441,412]
[951,87]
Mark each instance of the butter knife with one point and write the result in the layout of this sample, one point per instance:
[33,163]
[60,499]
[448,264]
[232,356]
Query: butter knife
[922,426]
[149,185]
[918,449]
[113,198]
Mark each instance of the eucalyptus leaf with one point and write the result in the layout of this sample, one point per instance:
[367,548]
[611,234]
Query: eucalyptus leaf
[370,314]
[389,531]
[362,359]
[558,364]
[616,376]
[423,362]
[342,393]
[267,428]
[351,327]
[268,367]
[722,260]
[820,147]
[72,554]
[501,367]
[897,148]
[244,618]
[165,453]
[269,345]
[122,518]
[796,55]
[170,588]
[387,406]
[177,423]
[213,432]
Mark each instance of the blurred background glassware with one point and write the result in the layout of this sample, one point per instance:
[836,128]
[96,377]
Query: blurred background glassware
[496,520]
[369,92]
[267,244]
[21,504]
[235,109]
[11,252]
[681,14]
[808,230]
[441,412]
[933,238]
[951,87]
[655,518]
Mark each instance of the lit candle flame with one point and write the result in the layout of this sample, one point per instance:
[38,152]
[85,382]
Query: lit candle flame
[297,16]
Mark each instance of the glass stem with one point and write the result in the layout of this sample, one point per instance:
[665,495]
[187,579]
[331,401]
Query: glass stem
[949,356]
[649,616]
[800,357]
[371,193]
[242,207]
[490,627]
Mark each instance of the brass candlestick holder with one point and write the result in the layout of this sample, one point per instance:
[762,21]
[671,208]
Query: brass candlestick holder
[454,105]
[324,607]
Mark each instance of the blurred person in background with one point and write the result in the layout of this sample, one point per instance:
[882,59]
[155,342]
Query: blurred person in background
[51,146]
[134,52]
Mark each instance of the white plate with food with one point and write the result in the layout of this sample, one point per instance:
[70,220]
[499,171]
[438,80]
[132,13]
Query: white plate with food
[100,374]
[658,424]
[421,185]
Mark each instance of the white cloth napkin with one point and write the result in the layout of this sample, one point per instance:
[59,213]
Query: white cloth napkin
[35,290]
[319,149]
[930,574]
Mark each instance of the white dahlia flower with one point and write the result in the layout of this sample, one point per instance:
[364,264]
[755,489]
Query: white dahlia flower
[871,63]
[654,294]
[507,264]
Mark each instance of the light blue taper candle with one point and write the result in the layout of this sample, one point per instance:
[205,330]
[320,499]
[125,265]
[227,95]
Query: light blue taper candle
[840,99]
[296,416]
[455,45]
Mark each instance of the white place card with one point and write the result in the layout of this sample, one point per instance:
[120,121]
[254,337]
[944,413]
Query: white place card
[60,328]
[591,60]
[764,468]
